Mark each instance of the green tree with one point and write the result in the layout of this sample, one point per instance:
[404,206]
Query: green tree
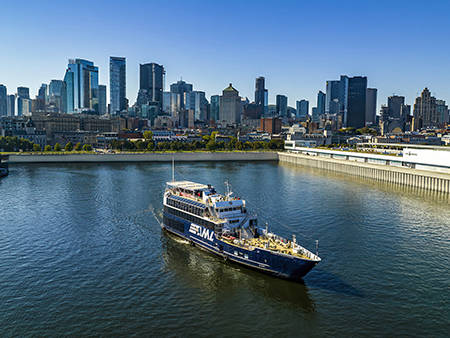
[48,147]
[36,147]
[87,147]
[148,135]
[78,147]
[140,145]
[57,147]
[69,146]
[151,146]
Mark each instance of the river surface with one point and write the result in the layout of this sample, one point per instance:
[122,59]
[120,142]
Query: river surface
[82,253]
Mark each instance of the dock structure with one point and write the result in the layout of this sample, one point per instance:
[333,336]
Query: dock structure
[406,176]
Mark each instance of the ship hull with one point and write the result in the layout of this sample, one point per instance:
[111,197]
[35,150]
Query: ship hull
[276,264]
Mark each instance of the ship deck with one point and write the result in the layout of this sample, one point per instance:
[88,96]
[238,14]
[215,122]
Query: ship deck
[275,246]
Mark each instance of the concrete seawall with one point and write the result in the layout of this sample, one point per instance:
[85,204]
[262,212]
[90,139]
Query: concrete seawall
[146,157]
[404,176]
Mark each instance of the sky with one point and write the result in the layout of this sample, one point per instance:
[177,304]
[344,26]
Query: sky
[401,46]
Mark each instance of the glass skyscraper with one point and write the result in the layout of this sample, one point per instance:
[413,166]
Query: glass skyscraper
[151,79]
[81,86]
[3,101]
[117,84]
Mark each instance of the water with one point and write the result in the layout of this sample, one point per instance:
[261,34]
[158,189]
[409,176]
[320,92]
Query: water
[82,253]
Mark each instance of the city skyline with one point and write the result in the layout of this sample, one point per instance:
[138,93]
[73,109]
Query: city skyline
[380,53]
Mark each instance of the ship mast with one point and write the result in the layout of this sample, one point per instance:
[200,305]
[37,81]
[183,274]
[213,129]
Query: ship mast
[173,169]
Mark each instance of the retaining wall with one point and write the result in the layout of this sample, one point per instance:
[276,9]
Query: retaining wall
[146,157]
[405,176]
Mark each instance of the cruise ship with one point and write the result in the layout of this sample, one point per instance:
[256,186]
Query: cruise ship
[222,225]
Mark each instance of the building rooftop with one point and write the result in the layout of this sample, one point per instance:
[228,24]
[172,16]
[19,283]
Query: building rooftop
[188,185]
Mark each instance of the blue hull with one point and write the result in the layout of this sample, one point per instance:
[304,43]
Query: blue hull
[276,264]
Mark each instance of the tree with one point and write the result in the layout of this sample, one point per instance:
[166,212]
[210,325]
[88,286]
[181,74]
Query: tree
[78,147]
[148,135]
[87,147]
[48,147]
[36,147]
[139,145]
[69,146]
[57,147]
[151,146]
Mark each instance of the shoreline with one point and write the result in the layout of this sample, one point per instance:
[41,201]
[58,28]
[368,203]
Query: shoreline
[145,157]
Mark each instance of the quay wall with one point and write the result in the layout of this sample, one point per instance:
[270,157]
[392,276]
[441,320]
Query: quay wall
[145,157]
[433,181]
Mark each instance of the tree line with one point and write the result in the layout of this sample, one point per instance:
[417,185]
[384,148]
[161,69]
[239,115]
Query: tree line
[13,143]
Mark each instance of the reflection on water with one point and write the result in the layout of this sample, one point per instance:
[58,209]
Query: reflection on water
[211,274]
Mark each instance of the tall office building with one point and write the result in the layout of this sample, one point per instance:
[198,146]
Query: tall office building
[355,114]
[426,112]
[180,88]
[321,100]
[196,101]
[332,97]
[261,94]
[215,106]
[302,109]
[57,95]
[172,103]
[81,86]
[371,105]
[3,101]
[23,101]
[395,104]
[442,112]
[151,79]
[101,100]
[281,102]
[117,84]
[11,105]
[230,108]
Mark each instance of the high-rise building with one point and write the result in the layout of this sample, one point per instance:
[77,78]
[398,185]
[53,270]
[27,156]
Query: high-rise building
[3,101]
[57,95]
[196,101]
[230,106]
[395,104]
[81,86]
[23,92]
[371,105]
[426,111]
[261,94]
[151,79]
[321,98]
[23,101]
[355,113]
[117,84]
[11,105]
[281,102]
[215,107]
[270,125]
[332,97]
[101,100]
[302,109]
[315,114]
[181,87]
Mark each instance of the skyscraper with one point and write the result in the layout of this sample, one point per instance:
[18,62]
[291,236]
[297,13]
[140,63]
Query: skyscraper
[371,105]
[196,101]
[321,98]
[230,106]
[101,100]
[23,101]
[117,84]
[3,101]
[332,97]
[81,86]
[355,115]
[57,95]
[215,106]
[11,105]
[261,94]
[302,109]
[281,102]
[151,79]
[426,112]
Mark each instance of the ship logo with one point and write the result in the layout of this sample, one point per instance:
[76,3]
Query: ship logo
[201,231]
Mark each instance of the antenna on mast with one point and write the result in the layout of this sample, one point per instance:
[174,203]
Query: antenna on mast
[173,169]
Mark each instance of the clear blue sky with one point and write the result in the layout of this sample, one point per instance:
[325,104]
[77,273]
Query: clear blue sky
[401,46]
